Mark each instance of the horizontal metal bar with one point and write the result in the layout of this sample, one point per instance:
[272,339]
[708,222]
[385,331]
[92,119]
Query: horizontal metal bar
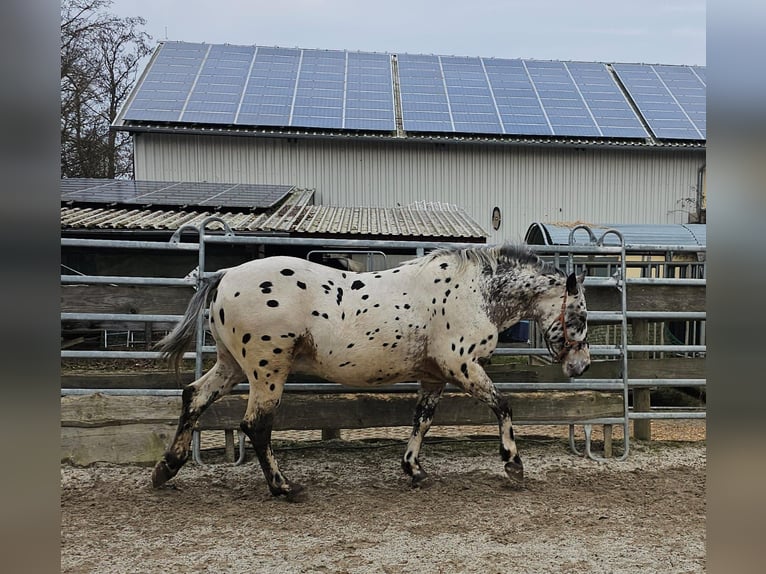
[668,348]
[667,415]
[125,317]
[642,383]
[616,316]
[665,281]
[124,392]
[116,280]
[117,355]
[128,244]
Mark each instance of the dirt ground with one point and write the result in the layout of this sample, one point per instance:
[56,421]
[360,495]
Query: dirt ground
[644,514]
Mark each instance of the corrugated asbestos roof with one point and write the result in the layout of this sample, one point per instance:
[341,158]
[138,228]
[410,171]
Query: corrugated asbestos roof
[634,234]
[294,216]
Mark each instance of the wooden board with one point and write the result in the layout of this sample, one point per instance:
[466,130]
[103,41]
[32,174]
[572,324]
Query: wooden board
[136,429]
[671,367]
[173,300]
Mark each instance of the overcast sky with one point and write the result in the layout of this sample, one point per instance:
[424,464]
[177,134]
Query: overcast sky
[644,31]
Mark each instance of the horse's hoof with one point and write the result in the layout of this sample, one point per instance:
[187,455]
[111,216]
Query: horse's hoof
[515,471]
[418,478]
[162,473]
[296,494]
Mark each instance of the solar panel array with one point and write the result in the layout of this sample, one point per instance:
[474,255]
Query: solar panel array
[326,89]
[670,98]
[249,85]
[175,194]
[520,97]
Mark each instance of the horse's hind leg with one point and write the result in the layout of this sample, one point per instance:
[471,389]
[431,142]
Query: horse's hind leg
[428,398]
[196,397]
[258,423]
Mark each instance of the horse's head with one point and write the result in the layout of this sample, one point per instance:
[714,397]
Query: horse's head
[563,320]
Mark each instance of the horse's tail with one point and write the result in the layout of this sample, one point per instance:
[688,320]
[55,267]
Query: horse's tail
[175,343]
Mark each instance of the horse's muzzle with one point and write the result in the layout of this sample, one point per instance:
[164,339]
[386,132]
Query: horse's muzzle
[576,361]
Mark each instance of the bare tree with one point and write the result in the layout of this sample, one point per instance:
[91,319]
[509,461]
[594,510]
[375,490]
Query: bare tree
[100,54]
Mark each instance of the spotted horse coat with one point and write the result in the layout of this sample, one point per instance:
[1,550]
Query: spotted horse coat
[433,319]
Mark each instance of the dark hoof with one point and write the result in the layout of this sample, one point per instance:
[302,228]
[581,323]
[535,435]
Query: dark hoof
[291,492]
[515,471]
[296,494]
[418,478]
[162,473]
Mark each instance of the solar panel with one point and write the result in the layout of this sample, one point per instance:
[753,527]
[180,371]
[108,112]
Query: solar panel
[175,194]
[424,97]
[168,82]
[369,102]
[521,111]
[472,106]
[670,98]
[604,100]
[217,90]
[268,95]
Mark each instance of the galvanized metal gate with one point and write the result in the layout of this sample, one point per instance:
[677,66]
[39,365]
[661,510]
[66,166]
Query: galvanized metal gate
[577,255]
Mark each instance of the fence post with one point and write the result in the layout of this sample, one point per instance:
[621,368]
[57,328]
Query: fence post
[642,429]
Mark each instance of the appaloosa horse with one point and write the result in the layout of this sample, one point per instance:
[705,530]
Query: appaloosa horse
[432,319]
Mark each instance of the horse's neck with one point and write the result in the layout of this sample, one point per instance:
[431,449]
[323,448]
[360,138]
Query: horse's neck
[512,295]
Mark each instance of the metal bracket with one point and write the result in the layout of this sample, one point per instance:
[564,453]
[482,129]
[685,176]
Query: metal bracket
[196,451]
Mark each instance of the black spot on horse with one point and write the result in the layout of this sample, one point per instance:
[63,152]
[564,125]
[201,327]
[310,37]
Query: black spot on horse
[464,370]
[255,374]
[265,338]
[272,387]
[244,352]
[266,287]
[301,284]
[349,345]
[315,313]
[263,362]
[245,338]
[235,294]
[272,303]
[471,348]
[365,297]
[277,351]
[222,315]
[287,272]
[444,265]
[357,285]
[340,295]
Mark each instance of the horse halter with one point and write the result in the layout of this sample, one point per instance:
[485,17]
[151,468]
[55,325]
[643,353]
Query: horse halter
[568,344]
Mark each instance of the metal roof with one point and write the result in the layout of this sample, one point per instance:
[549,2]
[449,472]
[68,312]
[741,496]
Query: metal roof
[295,216]
[687,235]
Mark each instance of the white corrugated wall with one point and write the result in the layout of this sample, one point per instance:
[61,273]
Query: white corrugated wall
[528,184]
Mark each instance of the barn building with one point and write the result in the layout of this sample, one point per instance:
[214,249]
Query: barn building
[510,141]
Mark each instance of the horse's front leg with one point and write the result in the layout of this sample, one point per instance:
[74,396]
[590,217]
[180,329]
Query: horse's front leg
[428,397]
[478,384]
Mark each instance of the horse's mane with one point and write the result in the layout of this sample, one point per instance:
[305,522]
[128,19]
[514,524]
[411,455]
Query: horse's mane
[492,256]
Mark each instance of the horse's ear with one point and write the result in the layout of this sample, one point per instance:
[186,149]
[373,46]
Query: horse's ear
[573,284]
